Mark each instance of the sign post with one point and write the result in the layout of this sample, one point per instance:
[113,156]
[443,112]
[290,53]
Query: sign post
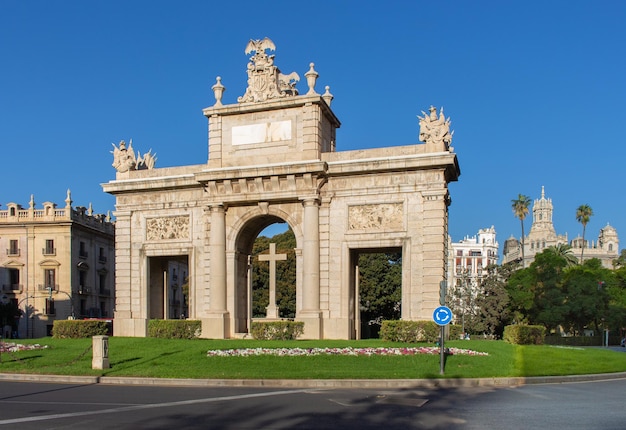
[442,317]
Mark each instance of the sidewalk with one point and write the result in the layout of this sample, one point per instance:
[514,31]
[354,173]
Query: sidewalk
[312,383]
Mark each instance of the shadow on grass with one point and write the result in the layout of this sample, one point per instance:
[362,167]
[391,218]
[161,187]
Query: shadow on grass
[141,360]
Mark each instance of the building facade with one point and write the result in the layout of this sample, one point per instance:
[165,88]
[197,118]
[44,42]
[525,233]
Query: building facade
[58,263]
[543,235]
[469,258]
[273,159]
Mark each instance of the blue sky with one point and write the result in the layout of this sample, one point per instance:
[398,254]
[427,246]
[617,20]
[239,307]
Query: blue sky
[536,91]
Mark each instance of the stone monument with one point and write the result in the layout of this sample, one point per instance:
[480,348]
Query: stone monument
[272,157]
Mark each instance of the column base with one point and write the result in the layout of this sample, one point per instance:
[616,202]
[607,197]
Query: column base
[216,326]
[130,327]
[312,324]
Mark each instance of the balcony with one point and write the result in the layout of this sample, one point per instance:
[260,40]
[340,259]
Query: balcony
[49,251]
[105,292]
[83,290]
[13,252]
[102,259]
[48,287]
[83,254]
[12,288]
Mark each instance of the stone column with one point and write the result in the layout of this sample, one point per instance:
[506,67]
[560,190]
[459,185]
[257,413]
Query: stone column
[130,317]
[217,245]
[310,313]
[216,326]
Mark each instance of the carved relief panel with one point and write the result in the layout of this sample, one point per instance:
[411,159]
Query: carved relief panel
[173,227]
[384,216]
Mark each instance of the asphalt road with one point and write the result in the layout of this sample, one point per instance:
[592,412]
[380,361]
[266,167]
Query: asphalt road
[583,405]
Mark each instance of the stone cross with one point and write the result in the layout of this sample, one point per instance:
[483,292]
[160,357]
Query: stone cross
[272,257]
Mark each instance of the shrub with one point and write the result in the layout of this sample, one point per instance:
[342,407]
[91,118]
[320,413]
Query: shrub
[75,329]
[519,334]
[174,329]
[409,331]
[455,331]
[277,330]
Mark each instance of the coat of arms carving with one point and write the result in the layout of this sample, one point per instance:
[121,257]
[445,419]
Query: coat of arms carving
[265,82]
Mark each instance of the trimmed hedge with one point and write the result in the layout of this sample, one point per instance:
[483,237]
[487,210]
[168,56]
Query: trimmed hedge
[174,329]
[76,329]
[409,331]
[519,334]
[277,330]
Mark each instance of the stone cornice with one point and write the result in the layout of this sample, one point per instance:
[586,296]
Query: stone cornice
[278,104]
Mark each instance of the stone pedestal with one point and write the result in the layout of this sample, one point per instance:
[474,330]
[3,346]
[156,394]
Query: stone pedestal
[100,347]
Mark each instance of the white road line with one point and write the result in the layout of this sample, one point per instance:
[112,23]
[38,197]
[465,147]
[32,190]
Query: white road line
[149,406]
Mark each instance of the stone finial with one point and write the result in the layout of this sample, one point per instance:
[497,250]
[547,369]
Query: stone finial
[68,199]
[311,78]
[32,201]
[108,218]
[218,91]
[90,210]
[327,96]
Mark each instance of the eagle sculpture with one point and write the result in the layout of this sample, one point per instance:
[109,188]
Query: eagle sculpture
[260,45]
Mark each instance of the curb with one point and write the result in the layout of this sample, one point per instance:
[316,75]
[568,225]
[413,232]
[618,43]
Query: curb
[312,383]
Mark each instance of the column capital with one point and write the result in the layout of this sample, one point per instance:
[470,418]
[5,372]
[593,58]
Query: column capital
[310,201]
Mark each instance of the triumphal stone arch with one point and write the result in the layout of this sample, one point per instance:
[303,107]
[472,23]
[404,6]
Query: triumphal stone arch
[273,158]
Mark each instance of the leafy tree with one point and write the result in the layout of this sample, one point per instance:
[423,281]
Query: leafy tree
[462,302]
[536,293]
[9,314]
[493,302]
[583,214]
[587,293]
[621,260]
[520,209]
[380,286]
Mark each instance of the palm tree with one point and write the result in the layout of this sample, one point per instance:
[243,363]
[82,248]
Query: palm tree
[520,209]
[565,251]
[583,213]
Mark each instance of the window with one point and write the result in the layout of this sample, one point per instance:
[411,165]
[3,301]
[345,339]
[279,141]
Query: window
[13,248]
[610,247]
[50,307]
[82,282]
[101,256]
[82,250]
[14,279]
[49,249]
[459,253]
[50,278]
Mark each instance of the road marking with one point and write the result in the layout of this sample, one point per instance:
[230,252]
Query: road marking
[149,406]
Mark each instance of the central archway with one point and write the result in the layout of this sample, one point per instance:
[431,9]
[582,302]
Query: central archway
[244,244]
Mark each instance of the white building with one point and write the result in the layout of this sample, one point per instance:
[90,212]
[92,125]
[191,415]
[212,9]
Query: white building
[468,258]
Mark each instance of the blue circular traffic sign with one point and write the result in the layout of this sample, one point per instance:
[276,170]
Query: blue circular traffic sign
[442,315]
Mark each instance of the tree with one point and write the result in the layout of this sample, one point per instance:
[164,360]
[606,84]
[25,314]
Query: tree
[564,250]
[380,286]
[583,214]
[620,261]
[493,304]
[536,293]
[587,288]
[520,209]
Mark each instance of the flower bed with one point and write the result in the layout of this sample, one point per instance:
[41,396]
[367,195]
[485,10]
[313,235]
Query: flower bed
[298,352]
[16,347]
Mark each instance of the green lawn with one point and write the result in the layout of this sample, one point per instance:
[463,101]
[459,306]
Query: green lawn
[149,357]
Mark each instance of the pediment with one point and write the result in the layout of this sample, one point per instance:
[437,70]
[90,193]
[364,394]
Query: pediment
[13,263]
